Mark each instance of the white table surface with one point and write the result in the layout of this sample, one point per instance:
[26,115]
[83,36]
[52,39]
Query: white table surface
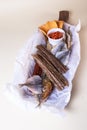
[18,21]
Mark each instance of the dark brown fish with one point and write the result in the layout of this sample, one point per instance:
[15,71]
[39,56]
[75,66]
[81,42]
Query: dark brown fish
[47,90]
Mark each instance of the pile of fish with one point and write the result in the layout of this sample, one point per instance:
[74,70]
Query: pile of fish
[47,74]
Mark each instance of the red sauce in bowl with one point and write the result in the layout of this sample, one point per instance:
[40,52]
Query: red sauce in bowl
[55,35]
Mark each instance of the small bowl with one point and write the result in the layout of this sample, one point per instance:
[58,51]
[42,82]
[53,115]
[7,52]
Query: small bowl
[55,36]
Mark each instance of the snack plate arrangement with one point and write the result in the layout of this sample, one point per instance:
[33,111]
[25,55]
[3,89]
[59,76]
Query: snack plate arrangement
[46,65]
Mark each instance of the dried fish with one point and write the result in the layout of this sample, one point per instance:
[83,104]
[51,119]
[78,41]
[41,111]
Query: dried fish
[68,39]
[49,72]
[47,90]
[61,78]
[34,84]
[57,63]
[54,75]
[58,47]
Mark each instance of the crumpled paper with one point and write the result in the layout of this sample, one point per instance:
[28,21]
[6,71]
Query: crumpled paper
[24,67]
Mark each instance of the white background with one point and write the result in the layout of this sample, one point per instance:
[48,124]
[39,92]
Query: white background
[18,21]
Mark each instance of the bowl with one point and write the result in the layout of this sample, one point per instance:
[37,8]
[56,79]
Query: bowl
[55,36]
